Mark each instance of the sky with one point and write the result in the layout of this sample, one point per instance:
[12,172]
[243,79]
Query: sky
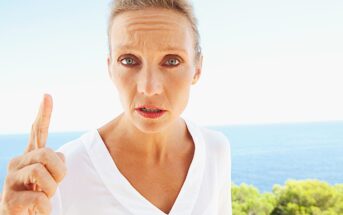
[265,61]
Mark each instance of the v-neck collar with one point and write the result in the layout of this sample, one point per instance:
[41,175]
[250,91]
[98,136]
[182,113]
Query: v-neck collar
[129,197]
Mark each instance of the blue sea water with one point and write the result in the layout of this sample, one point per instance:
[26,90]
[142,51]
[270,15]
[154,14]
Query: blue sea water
[262,155]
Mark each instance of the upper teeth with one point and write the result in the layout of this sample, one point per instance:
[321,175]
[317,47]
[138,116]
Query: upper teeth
[150,110]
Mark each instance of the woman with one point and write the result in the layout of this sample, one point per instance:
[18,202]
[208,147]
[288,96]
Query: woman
[148,160]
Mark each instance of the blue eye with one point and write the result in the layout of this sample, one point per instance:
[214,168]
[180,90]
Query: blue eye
[172,62]
[128,61]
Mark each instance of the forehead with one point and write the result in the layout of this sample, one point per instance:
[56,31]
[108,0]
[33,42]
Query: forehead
[153,28]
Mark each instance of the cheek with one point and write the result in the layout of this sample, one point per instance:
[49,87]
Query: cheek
[179,88]
[124,84]
[182,77]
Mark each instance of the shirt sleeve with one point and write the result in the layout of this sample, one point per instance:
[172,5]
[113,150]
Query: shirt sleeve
[225,207]
[225,204]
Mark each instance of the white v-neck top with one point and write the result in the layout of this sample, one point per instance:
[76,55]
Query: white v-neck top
[95,186]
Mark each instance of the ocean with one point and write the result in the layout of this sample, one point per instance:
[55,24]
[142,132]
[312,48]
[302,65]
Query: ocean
[262,155]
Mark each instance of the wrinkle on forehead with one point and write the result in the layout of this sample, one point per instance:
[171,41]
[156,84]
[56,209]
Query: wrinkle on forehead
[153,17]
[152,29]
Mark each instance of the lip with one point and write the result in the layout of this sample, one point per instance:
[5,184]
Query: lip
[149,107]
[151,115]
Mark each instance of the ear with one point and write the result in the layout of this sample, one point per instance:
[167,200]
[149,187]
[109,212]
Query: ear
[198,70]
[109,61]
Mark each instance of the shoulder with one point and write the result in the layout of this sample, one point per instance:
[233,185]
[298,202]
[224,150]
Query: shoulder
[215,141]
[217,152]
[76,153]
[77,146]
[211,135]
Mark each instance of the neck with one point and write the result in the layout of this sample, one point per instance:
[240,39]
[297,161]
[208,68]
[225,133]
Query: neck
[123,135]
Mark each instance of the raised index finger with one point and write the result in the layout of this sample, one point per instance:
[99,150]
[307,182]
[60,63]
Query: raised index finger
[40,128]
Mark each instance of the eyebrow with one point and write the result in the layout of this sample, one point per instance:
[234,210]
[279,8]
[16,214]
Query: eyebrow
[171,48]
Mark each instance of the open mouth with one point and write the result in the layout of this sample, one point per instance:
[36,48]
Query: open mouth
[150,112]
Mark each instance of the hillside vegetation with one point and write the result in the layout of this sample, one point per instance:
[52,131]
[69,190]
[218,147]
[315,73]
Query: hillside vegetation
[306,197]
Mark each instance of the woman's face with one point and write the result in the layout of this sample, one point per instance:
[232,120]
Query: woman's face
[153,65]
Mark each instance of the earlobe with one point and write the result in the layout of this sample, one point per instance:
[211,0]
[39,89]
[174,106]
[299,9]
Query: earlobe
[195,78]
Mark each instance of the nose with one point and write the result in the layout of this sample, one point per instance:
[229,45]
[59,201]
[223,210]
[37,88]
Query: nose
[149,83]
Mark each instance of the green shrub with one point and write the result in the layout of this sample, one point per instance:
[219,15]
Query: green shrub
[304,197]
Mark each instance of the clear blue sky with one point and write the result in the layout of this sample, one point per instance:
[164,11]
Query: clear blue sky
[264,61]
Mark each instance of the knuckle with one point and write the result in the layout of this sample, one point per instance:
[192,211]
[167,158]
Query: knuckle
[34,126]
[12,164]
[52,189]
[50,184]
[41,199]
[64,170]
[49,151]
[42,129]
[37,170]
[60,174]
[9,180]
[10,203]
[7,201]
[6,198]
[45,154]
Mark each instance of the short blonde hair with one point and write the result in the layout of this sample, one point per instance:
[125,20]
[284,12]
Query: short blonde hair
[182,6]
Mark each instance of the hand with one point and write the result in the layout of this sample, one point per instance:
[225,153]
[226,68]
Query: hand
[33,177]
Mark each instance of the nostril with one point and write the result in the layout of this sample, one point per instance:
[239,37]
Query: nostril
[150,87]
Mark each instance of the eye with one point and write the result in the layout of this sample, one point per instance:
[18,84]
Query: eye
[172,62]
[128,61]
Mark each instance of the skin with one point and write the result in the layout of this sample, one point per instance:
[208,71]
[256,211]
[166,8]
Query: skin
[149,33]
[153,154]
[152,61]
[33,177]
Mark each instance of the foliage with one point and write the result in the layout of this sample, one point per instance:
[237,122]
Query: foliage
[307,197]
[247,200]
